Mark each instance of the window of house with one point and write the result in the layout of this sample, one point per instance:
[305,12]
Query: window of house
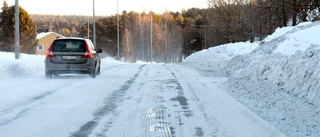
[41,47]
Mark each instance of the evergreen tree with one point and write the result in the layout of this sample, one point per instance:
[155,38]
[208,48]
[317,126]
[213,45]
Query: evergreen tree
[3,22]
[3,14]
[28,42]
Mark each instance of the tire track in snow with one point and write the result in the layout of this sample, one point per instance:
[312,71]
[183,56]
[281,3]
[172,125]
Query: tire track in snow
[166,113]
[36,98]
[156,118]
[210,121]
[183,104]
[18,111]
[110,104]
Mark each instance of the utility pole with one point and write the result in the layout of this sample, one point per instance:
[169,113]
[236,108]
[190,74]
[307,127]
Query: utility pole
[94,25]
[151,53]
[142,38]
[205,36]
[17,33]
[118,33]
[88,28]
[205,33]
[165,37]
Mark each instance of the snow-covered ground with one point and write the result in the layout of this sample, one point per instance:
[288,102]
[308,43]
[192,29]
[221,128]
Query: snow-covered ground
[126,100]
[278,79]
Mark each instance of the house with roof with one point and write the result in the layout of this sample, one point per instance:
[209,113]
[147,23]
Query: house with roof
[44,41]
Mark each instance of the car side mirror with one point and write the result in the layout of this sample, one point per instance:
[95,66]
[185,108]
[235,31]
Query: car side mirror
[99,51]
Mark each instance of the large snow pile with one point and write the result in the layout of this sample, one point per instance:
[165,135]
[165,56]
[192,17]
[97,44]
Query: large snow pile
[27,64]
[278,78]
[9,66]
[216,59]
[288,59]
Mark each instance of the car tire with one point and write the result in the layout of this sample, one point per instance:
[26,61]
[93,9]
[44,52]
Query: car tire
[98,72]
[48,74]
[93,74]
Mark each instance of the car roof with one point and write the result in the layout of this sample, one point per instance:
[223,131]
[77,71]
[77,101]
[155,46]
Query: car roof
[77,38]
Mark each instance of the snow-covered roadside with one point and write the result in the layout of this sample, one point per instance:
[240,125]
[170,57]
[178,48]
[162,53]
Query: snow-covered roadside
[289,61]
[26,64]
[216,60]
[278,78]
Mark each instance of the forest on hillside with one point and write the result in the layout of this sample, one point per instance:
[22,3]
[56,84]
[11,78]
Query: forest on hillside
[176,35]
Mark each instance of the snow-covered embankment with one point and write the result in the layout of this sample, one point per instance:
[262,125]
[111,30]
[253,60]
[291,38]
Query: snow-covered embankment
[289,59]
[277,78]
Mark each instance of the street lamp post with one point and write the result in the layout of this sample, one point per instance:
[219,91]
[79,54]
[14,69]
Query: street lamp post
[94,26]
[17,33]
[118,33]
[88,27]
[205,37]
[151,47]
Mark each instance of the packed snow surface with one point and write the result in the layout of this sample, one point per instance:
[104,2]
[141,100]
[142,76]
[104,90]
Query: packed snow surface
[266,88]
[124,100]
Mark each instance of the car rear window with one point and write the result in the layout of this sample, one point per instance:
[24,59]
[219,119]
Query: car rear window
[67,45]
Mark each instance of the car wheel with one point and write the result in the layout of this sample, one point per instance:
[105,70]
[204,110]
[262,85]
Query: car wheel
[48,74]
[98,72]
[93,74]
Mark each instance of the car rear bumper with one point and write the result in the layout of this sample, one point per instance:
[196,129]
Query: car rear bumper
[54,68]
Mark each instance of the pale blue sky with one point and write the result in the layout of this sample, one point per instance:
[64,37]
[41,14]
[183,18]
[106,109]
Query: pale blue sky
[104,7]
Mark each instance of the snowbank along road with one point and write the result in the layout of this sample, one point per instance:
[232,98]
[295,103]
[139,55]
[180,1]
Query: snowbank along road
[125,100]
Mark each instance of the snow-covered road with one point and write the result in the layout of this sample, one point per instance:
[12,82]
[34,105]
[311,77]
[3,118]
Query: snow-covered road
[277,79]
[125,100]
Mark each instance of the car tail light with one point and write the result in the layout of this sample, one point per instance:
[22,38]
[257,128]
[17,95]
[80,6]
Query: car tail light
[49,53]
[88,53]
